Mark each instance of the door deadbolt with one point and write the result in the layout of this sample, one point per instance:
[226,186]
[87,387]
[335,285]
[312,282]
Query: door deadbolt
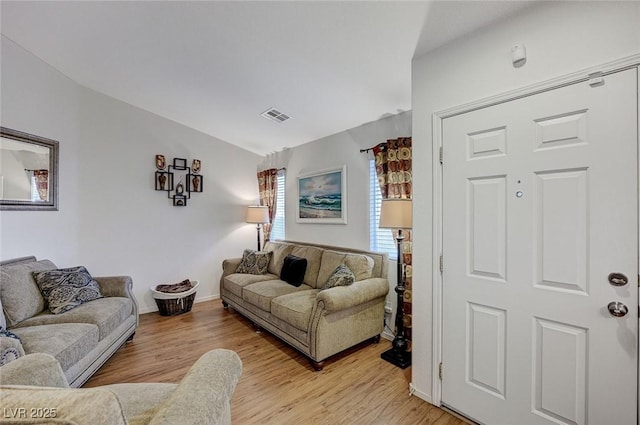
[618,279]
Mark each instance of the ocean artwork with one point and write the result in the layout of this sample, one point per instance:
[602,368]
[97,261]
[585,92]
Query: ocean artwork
[320,196]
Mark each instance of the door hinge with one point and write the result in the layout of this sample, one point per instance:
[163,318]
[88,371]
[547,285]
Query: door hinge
[596,80]
[441,264]
[441,155]
[440,371]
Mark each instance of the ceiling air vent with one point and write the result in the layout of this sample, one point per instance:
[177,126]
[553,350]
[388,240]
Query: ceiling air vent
[275,115]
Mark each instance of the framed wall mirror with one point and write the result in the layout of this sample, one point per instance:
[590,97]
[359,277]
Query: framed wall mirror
[28,171]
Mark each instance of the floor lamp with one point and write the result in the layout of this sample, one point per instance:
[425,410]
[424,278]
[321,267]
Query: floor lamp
[397,214]
[258,215]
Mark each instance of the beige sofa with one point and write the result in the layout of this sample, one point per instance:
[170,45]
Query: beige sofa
[319,323]
[202,397]
[81,339]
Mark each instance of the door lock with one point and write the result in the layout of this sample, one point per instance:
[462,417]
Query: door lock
[617,309]
[618,279]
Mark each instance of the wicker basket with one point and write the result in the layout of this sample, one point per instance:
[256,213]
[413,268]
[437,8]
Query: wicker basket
[171,304]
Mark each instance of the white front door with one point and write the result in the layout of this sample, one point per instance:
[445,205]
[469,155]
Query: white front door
[540,206]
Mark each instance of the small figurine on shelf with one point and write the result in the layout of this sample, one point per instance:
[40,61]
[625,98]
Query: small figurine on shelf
[180,187]
[196,166]
[160,162]
[196,183]
[162,179]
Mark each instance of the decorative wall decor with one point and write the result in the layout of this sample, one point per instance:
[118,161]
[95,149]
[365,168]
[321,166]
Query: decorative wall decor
[28,171]
[187,179]
[322,197]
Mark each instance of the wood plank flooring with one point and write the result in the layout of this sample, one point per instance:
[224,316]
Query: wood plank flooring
[278,385]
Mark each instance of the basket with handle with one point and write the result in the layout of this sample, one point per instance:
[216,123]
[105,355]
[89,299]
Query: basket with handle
[171,304]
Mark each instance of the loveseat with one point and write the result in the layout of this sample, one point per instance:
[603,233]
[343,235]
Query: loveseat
[203,396]
[80,339]
[318,322]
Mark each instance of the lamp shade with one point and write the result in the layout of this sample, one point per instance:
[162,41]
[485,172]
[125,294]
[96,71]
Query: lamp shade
[396,214]
[257,214]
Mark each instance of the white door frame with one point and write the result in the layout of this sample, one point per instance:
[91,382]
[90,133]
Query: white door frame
[628,62]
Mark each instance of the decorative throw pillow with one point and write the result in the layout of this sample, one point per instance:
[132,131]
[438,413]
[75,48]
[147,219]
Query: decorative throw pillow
[10,347]
[65,289]
[341,276]
[254,262]
[293,270]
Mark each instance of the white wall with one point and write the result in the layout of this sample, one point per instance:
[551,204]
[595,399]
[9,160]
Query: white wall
[334,151]
[110,218]
[560,38]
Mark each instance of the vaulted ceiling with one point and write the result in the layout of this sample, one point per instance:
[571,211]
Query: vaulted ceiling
[215,66]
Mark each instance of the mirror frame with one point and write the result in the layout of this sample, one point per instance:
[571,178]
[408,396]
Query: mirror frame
[53,145]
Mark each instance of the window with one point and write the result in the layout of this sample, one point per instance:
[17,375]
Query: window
[381,240]
[277,230]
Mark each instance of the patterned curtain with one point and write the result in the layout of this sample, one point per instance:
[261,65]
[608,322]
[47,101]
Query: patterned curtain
[42,183]
[393,167]
[268,188]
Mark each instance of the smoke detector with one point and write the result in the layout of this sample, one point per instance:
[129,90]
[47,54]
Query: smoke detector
[274,115]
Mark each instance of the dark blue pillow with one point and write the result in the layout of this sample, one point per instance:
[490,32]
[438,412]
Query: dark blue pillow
[293,270]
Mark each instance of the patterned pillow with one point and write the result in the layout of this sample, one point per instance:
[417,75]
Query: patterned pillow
[10,346]
[64,289]
[254,262]
[341,276]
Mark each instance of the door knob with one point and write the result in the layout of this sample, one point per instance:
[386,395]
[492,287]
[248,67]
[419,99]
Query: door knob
[617,309]
[617,279]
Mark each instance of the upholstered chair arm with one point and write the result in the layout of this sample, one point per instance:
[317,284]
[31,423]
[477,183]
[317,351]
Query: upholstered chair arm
[115,286]
[118,286]
[230,265]
[204,393]
[360,292]
[38,369]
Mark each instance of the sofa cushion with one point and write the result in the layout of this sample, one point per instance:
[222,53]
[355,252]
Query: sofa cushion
[313,256]
[341,276]
[65,289]
[86,406]
[293,270]
[295,308]
[280,251]
[21,297]
[68,343]
[235,282]
[106,313]
[254,262]
[361,265]
[260,294]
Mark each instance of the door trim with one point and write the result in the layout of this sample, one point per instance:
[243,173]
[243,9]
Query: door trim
[437,119]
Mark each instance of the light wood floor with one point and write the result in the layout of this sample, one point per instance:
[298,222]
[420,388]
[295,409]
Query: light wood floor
[278,385]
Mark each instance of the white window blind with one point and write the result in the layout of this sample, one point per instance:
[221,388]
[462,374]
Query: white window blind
[380,240]
[277,230]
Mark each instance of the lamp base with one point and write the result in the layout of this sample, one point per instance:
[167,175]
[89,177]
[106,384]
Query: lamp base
[402,359]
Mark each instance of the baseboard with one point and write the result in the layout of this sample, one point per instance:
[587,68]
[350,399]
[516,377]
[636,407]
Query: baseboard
[196,301]
[421,395]
[387,335]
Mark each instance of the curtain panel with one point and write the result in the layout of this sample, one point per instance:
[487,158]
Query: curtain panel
[393,168]
[42,183]
[268,189]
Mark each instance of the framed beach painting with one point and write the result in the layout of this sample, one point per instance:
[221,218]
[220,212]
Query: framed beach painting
[322,197]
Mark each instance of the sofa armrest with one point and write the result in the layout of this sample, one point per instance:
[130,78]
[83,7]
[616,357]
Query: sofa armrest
[38,369]
[118,286]
[230,265]
[204,392]
[115,286]
[360,292]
